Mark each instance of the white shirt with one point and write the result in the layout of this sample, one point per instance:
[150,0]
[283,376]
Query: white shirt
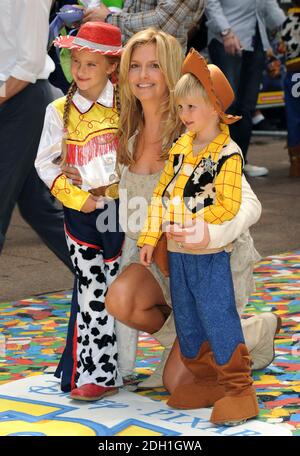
[99,171]
[24,29]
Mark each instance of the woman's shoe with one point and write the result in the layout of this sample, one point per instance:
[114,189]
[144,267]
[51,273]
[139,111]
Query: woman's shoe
[130,382]
[92,392]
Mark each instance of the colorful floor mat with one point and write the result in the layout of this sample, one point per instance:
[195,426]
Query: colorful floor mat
[32,335]
[36,406]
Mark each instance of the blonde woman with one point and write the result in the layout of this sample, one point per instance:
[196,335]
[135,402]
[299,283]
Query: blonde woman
[140,298]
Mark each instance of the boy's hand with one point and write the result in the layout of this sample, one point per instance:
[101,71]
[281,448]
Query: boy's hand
[146,255]
[193,236]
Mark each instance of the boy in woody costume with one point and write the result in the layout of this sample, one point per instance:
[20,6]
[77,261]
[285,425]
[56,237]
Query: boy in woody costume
[201,183]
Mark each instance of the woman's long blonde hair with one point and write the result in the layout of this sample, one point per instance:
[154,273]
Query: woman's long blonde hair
[170,58]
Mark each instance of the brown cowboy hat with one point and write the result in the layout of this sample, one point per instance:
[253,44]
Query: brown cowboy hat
[215,83]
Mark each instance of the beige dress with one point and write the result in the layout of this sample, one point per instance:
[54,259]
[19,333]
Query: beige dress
[142,186]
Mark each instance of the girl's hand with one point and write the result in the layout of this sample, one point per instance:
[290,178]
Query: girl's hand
[73,174]
[193,236]
[90,205]
[146,255]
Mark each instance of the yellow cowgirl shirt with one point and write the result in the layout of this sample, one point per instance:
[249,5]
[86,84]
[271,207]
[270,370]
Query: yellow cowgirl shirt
[206,185]
[91,146]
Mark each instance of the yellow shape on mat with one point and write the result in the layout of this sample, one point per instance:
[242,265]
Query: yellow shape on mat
[135,430]
[45,427]
[267,380]
[277,412]
[26,407]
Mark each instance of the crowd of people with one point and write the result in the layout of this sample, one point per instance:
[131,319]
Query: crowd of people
[142,126]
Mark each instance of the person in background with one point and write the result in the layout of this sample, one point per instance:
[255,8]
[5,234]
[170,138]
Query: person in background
[237,41]
[58,78]
[172,16]
[291,38]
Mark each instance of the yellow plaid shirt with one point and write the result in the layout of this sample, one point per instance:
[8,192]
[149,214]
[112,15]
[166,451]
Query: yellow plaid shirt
[216,202]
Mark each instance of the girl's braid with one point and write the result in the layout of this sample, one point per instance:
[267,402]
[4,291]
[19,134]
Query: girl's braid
[67,108]
[117,95]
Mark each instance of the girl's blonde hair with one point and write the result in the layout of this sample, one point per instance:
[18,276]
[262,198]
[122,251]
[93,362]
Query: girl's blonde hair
[189,85]
[170,58]
[67,107]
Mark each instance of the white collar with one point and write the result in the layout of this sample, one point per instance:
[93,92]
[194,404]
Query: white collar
[106,99]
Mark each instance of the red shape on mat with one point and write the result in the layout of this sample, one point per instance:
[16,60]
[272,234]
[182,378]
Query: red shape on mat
[40,314]
[289,367]
[287,401]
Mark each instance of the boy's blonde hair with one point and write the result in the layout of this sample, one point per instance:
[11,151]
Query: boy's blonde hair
[189,85]
[170,58]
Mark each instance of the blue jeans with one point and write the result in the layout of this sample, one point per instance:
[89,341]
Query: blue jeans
[21,123]
[204,305]
[245,74]
[292,107]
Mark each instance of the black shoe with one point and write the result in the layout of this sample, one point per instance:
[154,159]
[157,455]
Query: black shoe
[264,125]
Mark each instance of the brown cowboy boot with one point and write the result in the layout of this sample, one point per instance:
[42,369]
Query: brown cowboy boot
[239,403]
[204,390]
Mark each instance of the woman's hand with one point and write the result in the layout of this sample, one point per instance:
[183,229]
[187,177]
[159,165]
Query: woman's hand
[90,205]
[193,236]
[72,174]
[146,254]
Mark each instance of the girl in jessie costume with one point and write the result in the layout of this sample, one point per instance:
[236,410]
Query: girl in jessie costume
[80,130]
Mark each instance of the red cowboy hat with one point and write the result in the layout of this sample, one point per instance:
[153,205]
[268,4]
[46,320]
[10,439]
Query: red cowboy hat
[215,83]
[94,37]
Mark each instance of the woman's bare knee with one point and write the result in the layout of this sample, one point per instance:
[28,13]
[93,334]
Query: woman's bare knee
[118,301]
[135,298]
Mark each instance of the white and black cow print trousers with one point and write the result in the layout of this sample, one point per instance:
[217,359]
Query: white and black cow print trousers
[96,348]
